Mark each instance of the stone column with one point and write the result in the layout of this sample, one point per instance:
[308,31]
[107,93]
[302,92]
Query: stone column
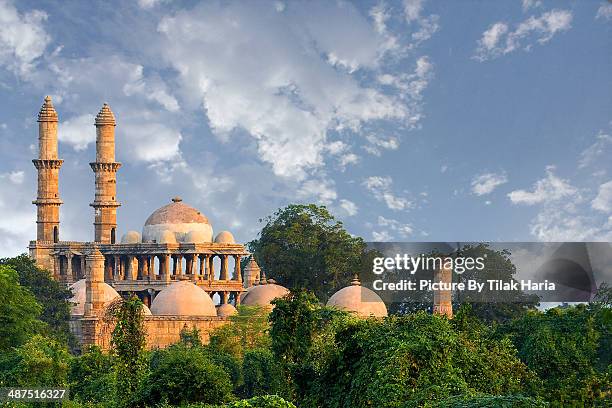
[202,264]
[129,268]
[165,266]
[443,298]
[94,282]
[69,277]
[108,266]
[211,268]
[224,267]
[189,264]
[237,271]
[224,295]
[149,269]
[116,268]
[83,273]
[56,267]
[237,299]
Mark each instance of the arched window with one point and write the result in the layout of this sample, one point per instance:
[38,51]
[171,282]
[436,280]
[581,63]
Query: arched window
[55,234]
[112,235]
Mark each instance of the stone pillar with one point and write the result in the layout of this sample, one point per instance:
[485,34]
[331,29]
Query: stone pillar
[224,267]
[129,268]
[237,299]
[224,296]
[237,271]
[94,281]
[105,169]
[189,259]
[443,298]
[56,267]
[69,276]
[203,261]
[211,268]
[48,165]
[108,269]
[165,265]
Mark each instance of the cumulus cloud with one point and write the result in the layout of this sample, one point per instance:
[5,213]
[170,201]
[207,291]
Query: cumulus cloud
[23,39]
[349,206]
[528,4]
[603,201]
[322,190]
[286,78]
[381,188]
[18,221]
[550,188]
[15,177]
[78,131]
[390,229]
[604,11]
[377,144]
[595,152]
[499,40]
[486,183]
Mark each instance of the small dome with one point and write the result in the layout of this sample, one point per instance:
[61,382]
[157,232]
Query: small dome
[166,237]
[183,298]
[105,116]
[79,296]
[225,237]
[226,310]
[262,295]
[362,301]
[178,218]
[146,310]
[195,237]
[131,237]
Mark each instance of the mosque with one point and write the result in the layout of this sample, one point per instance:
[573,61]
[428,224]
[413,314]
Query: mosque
[176,266]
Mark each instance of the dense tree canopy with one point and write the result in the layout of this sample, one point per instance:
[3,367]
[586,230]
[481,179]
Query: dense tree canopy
[304,246]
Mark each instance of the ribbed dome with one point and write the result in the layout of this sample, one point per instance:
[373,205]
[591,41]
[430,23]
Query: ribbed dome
[181,220]
[225,237]
[362,301]
[262,295]
[105,116]
[47,111]
[183,299]
[226,310]
[79,296]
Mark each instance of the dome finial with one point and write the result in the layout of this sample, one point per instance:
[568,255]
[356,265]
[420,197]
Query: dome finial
[177,199]
[355,281]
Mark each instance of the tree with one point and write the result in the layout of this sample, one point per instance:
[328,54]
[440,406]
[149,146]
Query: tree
[182,374]
[42,362]
[262,373]
[92,376]
[247,330]
[128,346]
[50,294]
[304,246]
[19,311]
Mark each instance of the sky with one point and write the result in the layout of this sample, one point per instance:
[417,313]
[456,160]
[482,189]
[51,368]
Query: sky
[410,120]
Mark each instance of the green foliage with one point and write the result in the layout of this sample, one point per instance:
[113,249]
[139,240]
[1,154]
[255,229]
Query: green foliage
[304,246]
[181,375]
[488,401]
[563,346]
[42,362]
[266,401]
[50,294]
[19,311]
[247,330]
[262,374]
[128,345]
[191,337]
[92,376]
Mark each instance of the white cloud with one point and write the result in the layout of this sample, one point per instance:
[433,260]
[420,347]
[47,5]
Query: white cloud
[550,188]
[595,151]
[603,201]
[286,78]
[78,131]
[498,40]
[528,4]
[380,187]
[486,183]
[604,11]
[391,229]
[23,38]
[323,190]
[349,206]
[427,25]
[150,142]
[147,4]
[377,143]
[15,177]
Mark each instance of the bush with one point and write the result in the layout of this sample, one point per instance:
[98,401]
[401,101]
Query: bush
[262,374]
[92,377]
[182,375]
[42,362]
[488,401]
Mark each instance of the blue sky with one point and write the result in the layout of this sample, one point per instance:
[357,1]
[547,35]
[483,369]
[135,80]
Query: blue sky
[411,120]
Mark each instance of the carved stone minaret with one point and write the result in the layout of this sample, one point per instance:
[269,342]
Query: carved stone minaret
[105,168]
[94,282]
[252,273]
[443,298]
[48,165]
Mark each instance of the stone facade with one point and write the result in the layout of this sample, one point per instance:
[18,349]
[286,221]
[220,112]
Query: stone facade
[443,304]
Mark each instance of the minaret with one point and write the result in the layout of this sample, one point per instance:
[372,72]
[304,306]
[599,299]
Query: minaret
[94,282]
[48,165]
[252,273]
[443,304]
[105,168]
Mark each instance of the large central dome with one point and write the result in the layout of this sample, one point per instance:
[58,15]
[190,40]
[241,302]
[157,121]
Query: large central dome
[177,222]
